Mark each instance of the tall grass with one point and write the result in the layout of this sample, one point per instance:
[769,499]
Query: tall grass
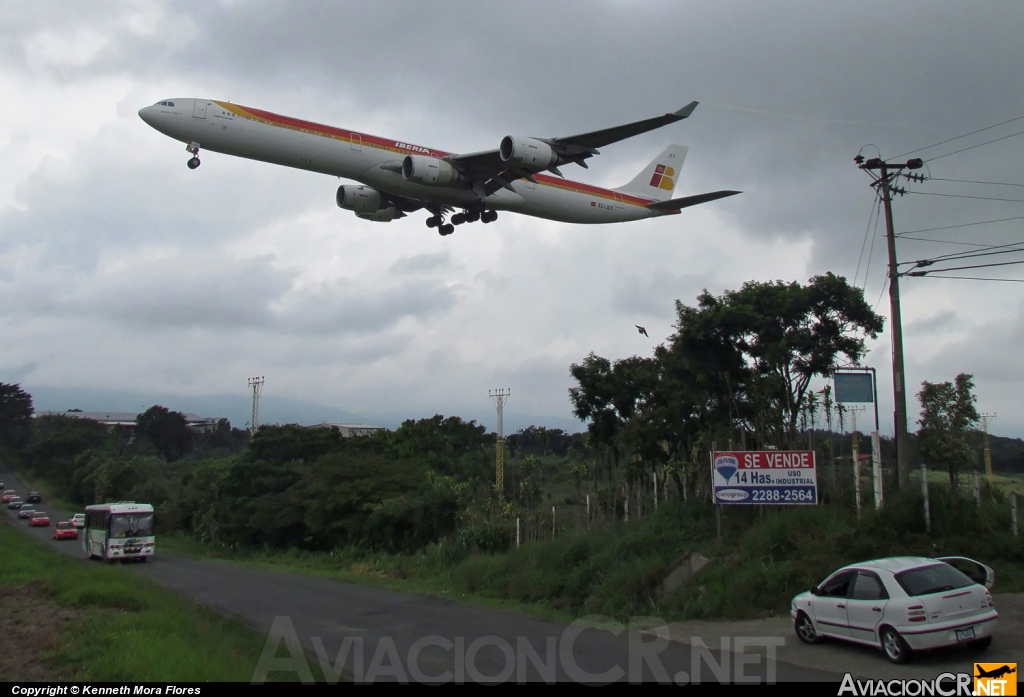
[765,558]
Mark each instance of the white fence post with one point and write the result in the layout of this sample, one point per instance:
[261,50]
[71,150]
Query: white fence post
[924,492]
[552,522]
[876,468]
[1013,513]
[517,533]
[977,489]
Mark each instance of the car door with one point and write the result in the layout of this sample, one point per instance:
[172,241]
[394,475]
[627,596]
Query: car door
[865,606]
[830,604]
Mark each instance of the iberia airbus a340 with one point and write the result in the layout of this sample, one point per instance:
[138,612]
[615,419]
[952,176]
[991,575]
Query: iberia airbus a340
[396,178]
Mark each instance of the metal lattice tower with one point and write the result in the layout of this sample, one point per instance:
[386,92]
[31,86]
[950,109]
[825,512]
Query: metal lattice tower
[500,397]
[256,385]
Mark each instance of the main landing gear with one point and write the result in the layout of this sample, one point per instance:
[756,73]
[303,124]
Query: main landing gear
[468,216]
[193,148]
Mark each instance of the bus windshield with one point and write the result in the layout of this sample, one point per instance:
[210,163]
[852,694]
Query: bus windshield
[131,525]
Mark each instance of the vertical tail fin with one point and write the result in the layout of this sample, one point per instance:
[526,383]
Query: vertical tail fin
[658,179]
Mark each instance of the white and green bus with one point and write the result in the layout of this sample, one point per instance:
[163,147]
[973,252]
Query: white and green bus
[122,530]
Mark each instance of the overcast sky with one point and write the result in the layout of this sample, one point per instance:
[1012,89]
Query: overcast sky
[121,269]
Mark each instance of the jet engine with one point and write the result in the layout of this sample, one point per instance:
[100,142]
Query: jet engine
[360,199]
[527,153]
[428,170]
[384,215]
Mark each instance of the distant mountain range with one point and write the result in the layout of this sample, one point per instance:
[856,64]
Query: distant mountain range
[273,409]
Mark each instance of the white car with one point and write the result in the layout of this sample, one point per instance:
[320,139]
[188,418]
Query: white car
[78,520]
[901,605]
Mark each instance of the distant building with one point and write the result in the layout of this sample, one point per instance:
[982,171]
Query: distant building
[349,430]
[126,419]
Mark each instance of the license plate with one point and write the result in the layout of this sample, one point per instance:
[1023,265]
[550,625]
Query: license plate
[965,634]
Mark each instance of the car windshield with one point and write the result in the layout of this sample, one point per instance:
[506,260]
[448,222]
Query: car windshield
[932,579]
[131,524]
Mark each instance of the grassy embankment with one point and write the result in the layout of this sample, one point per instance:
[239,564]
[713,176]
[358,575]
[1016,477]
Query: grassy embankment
[115,625]
[763,561]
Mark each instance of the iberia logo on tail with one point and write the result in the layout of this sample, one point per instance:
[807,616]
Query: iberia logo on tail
[662,178]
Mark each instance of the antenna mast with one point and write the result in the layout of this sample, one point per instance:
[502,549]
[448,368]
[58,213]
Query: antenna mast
[500,397]
[256,385]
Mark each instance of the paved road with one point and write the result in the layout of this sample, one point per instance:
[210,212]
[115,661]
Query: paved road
[419,638]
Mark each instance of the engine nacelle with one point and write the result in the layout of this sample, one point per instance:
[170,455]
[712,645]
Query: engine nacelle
[527,153]
[384,215]
[360,199]
[428,170]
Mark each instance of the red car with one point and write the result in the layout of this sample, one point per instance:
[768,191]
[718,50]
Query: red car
[8,495]
[39,520]
[65,531]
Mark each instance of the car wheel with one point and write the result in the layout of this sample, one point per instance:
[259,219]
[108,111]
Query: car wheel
[896,649]
[805,629]
[980,644]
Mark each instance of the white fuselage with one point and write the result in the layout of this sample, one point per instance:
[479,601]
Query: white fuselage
[376,162]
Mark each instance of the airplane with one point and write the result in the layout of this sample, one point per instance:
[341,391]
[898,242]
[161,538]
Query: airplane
[994,673]
[396,178]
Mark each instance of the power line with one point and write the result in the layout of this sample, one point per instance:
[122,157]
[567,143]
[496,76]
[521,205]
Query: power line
[951,227]
[928,239]
[972,181]
[972,147]
[979,198]
[950,140]
[978,278]
[964,255]
[962,268]
[864,244]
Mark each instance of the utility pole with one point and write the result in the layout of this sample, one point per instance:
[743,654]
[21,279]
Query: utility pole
[500,397]
[882,183]
[256,385]
[988,450]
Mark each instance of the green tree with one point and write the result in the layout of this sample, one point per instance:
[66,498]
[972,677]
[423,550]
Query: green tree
[948,414]
[167,430]
[15,417]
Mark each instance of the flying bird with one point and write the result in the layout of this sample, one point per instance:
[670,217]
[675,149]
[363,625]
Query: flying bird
[642,330]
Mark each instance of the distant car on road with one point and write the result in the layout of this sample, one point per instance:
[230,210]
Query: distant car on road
[26,511]
[15,503]
[8,495]
[33,497]
[78,520]
[39,520]
[65,531]
[900,605]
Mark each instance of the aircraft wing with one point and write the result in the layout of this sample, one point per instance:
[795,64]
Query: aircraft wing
[487,166]
[676,204]
[589,142]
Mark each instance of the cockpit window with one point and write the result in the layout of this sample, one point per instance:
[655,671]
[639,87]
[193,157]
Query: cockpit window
[170,103]
[165,103]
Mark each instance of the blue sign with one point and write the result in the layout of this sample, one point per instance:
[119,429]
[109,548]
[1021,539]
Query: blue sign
[854,387]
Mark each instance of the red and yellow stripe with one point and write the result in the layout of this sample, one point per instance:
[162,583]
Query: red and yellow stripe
[318,129]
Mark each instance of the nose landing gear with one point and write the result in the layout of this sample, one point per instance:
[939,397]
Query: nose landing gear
[193,148]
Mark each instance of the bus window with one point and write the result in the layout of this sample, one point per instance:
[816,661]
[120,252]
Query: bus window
[131,524]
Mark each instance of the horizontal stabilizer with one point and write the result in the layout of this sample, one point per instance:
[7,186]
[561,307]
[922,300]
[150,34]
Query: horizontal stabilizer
[676,204]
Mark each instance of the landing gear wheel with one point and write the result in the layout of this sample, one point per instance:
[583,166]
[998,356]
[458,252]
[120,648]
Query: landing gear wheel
[458,219]
[446,229]
[896,649]
[193,163]
[980,644]
[472,217]
[489,216]
[433,221]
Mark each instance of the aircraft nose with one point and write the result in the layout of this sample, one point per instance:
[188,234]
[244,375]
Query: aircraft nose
[147,113]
